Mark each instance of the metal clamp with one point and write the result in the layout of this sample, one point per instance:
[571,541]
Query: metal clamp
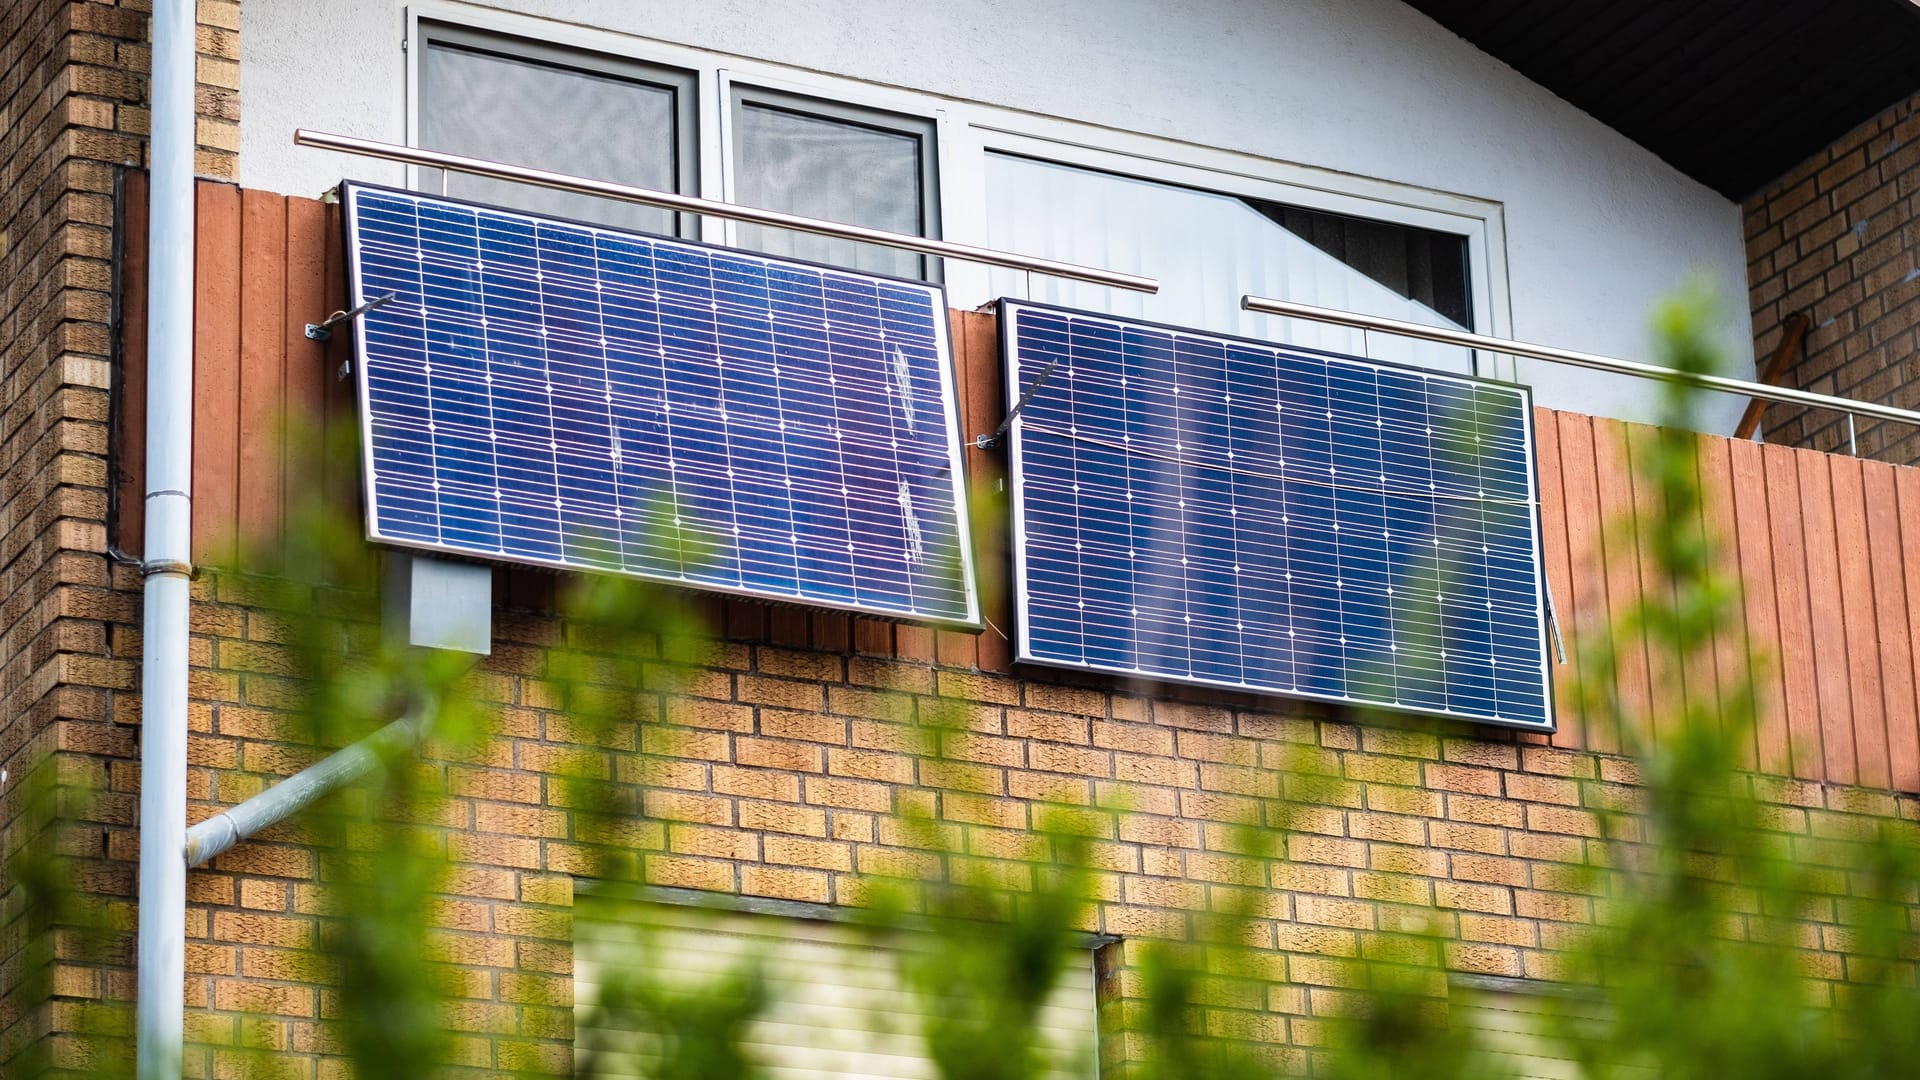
[166,566]
[323,331]
[992,441]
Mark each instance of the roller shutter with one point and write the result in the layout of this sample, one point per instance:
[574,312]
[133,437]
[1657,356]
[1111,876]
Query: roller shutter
[838,1007]
[1514,1023]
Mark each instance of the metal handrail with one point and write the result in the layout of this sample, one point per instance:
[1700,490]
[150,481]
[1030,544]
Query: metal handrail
[1785,395]
[667,200]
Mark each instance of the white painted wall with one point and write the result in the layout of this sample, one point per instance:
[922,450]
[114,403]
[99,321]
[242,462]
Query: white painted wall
[1596,228]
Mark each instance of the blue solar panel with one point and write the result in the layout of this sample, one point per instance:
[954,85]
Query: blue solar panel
[1213,510]
[547,392]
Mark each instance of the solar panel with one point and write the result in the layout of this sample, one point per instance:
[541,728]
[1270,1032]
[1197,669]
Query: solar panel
[1213,510]
[547,392]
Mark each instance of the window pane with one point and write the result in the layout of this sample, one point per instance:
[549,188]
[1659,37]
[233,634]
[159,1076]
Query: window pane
[562,119]
[829,168]
[1209,249]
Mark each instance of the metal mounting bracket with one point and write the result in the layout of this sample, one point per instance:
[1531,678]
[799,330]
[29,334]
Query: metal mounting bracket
[992,441]
[323,330]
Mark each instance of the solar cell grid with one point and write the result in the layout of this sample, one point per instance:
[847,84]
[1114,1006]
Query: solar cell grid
[553,393]
[1207,509]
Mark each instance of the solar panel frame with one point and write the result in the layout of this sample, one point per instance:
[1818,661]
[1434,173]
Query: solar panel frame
[365,366]
[1019,381]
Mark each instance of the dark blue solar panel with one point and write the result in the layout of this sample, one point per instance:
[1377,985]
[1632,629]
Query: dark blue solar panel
[1212,510]
[547,392]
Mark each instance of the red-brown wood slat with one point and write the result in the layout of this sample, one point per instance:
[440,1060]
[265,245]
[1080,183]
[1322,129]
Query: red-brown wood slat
[1907,487]
[1587,627]
[1672,680]
[341,482]
[1752,535]
[1793,607]
[872,636]
[1858,616]
[960,648]
[259,482]
[130,491]
[1730,645]
[1829,622]
[1893,630]
[304,374]
[1613,473]
[789,626]
[986,489]
[1568,733]
[216,373]
[832,631]
[911,642]
[745,620]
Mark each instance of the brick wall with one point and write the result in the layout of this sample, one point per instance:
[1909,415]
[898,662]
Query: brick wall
[1838,239]
[789,765]
[73,95]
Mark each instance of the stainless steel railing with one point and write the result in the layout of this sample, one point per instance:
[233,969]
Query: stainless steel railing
[1782,394]
[668,200]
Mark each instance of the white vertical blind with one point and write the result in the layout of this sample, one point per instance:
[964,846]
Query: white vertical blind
[837,1009]
[1206,248]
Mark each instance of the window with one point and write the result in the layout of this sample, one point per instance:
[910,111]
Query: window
[837,1005]
[1529,1030]
[823,160]
[1211,225]
[557,109]
[1209,248]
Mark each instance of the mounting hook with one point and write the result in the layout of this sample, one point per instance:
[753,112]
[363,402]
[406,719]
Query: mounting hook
[990,442]
[323,331]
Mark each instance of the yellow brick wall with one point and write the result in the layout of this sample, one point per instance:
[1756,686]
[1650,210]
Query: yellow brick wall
[789,771]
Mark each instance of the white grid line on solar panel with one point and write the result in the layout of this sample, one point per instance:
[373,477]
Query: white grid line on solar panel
[869,447]
[1405,639]
[1180,455]
[1427,680]
[853,496]
[1307,662]
[1490,598]
[901,388]
[885,385]
[508,465]
[1201,463]
[1254,361]
[1507,535]
[1412,660]
[621,549]
[1501,600]
[852,332]
[842,284]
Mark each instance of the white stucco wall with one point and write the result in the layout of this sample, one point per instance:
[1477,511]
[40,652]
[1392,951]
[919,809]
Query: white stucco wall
[1597,229]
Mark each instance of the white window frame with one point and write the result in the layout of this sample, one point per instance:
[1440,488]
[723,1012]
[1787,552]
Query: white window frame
[1480,222]
[964,132]
[845,96]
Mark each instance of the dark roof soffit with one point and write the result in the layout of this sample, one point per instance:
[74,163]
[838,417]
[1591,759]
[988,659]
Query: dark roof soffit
[1730,92]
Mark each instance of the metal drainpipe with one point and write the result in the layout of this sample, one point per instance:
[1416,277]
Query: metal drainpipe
[163,667]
